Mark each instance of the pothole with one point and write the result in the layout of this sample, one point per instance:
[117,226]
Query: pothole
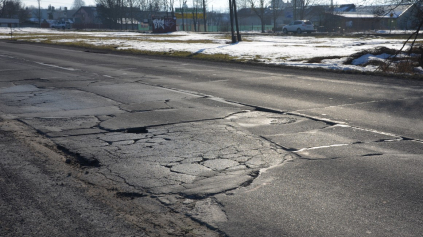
[258,118]
[130,195]
[136,130]
[282,120]
[80,159]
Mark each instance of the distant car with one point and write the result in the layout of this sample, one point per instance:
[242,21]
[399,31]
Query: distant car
[299,27]
[61,25]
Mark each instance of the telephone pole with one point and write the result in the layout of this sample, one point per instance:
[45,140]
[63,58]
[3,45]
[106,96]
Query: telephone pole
[232,14]
[39,13]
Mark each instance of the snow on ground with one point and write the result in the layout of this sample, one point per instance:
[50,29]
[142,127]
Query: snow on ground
[279,50]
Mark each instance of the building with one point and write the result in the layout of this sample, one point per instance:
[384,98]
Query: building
[86,17]
[9,22]
[382,17]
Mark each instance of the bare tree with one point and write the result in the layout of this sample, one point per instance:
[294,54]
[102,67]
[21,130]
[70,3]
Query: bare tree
[9,8]
[196,4]
[50,12]
[183,5]
[243,4]
[300,7]
[130,4]
[172,7]
[259,7]
[77,4]
[220,20]
[33,10]
[152,7]
[165,6]
[277,9]
[414,20]
[23,14]
[13,9]
[109,12]
[121,13]
[194,12]
[142,4]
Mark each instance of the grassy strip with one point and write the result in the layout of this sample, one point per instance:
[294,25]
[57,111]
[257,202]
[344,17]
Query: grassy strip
[182,54]
[115,48]
[51,37]
[78,42]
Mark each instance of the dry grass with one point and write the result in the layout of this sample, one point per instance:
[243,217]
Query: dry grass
[145,38]
[113,43]
[397,63]
[376,51]
[319,59]
[82,41]
[115,48]
[403,67]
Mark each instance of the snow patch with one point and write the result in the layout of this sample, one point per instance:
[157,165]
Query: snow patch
[277,50]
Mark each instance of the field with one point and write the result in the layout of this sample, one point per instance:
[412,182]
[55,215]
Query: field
[359,52]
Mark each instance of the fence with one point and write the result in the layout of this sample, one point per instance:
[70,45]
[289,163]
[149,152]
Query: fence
[227,28]
[214,28]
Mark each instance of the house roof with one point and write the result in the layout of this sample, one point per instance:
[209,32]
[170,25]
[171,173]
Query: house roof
[345,8]
[9,20]
[386,11]
[88,10]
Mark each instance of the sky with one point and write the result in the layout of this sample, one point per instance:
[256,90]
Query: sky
[54,3]
[217,5]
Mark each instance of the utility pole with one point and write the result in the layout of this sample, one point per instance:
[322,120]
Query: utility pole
[231,17]
[204,15]
[232,13]
[39,13]
[236,21]
[183,18]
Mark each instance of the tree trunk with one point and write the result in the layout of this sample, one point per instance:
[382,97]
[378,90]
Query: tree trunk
[204,15]
[194,18]
[274,25]
[132,16]
[39,13]
[183,20]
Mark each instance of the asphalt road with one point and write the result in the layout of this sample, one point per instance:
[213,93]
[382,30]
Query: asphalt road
[244,150]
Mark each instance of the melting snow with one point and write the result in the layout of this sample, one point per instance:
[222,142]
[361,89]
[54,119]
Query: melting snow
[278,50]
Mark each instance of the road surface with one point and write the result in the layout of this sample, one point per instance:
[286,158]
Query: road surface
[240,150]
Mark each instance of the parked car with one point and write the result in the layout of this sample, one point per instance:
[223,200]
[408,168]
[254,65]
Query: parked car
[61,25]
[299,27]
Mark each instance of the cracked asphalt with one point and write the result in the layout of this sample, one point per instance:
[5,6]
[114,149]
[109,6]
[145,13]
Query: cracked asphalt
[228,157]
